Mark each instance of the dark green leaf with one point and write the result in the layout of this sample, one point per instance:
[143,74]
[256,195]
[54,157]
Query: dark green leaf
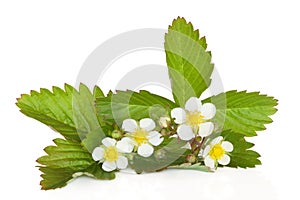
[72,113]
[243,112]
[128,104]
[66,161]
[241,156]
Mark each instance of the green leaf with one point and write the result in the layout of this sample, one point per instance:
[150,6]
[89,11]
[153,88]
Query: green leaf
[188,61]
[188,166]
[71,113]
[84,112]
[66,154]
[128,104]
[55,178]
[243,112]
[93,138]
[98,92]
[170,152]
[241,156]
[97,172]
[66,161]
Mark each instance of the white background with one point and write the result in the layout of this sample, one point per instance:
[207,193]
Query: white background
[255,46]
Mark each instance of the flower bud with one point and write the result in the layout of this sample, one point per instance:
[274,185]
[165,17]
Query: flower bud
[164,122]
[198,138]
[164,132]
[191,158]
[116,134]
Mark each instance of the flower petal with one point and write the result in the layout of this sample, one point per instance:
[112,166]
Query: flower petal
[193,104]
[125,145]
[208,110]
[147,124]
[205,129]
[206,150]
[155,138]
[129,125]
[217,140]
[179,114]
[122,162]
[109,166]
[145,150]
[185,132]
[109,142]
[209,162]
[228,147]
[225,160]
[98,153]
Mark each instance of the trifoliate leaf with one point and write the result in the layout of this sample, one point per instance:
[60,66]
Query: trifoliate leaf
[170,152]
[66,161]
[188,61]
[128,104]
[71,113]
[243,112]
[241,156]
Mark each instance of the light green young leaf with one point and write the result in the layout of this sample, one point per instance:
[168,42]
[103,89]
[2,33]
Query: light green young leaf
[241,156]
[128,104]
[188,61]
[66,161]
[243,112]
[71,113]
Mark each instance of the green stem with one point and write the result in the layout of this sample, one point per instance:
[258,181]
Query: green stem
[199,146]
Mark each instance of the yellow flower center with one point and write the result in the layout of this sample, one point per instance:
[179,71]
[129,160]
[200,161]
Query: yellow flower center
[217,152]
[111,154]
[140,136]
[194,118]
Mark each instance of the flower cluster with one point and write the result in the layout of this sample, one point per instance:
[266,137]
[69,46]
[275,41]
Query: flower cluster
[192,124]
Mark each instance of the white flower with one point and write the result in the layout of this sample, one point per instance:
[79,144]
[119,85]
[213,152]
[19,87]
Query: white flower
[216,152]
[142,135]
[111,154]
[194,118]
